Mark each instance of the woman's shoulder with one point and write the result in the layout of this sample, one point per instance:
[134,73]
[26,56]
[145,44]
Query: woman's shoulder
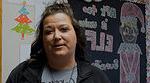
[15,73]
[24,65]
[100,74]
[96,73]
[20,67]
[23,69]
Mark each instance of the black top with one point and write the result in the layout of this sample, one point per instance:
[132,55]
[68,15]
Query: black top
[31,72]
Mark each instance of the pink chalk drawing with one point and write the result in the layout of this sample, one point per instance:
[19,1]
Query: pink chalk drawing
[130,51]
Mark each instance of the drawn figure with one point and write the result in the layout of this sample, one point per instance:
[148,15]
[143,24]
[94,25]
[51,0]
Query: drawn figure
[130,51]
[137,1]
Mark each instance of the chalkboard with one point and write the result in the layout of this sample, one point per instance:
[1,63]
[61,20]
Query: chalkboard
[115,35]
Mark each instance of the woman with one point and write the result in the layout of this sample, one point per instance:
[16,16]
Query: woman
[57,55]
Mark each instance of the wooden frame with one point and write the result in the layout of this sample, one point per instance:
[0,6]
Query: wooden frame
[0,41]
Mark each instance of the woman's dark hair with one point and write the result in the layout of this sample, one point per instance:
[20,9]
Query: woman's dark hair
[37,49]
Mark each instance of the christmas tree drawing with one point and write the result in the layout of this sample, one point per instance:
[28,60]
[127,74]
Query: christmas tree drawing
[23,26]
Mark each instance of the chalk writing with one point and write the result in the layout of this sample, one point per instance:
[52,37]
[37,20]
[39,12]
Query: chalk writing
[90,10]
[105,41]
[106,66]
[104,24]
[110,11]
[109,43]
[87,24]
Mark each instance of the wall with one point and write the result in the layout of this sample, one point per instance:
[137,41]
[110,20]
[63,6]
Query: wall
[16,40]
[100,27]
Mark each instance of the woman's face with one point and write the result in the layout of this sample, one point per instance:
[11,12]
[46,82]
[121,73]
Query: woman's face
[59,37]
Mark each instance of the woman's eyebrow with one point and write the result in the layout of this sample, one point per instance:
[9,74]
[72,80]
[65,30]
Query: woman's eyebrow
[47,26]
[63,25]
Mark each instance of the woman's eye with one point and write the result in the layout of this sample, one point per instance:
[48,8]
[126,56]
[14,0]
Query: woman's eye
[46,32]
[64,29]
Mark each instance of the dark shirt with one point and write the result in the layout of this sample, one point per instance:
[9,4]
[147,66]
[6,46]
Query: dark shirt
[31,72]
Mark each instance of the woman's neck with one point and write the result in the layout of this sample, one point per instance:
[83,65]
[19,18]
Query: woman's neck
[62,63]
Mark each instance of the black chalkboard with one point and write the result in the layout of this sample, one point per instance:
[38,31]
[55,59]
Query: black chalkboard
[106,22]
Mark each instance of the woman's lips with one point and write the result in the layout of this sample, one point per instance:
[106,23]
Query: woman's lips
[58,46]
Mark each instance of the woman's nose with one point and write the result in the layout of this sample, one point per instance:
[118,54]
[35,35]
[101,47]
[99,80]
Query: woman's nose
[57,35]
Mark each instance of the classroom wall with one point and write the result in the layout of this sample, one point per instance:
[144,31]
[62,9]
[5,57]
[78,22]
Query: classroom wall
[16,43]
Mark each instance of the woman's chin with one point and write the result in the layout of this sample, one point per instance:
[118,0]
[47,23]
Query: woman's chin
[60,53]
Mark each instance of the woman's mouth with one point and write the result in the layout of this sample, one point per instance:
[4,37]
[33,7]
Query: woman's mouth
[58,46]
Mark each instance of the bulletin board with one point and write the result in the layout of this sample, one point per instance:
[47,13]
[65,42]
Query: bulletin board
[107,46]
